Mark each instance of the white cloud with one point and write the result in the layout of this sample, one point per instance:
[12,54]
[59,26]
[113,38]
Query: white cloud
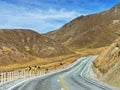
[12,16]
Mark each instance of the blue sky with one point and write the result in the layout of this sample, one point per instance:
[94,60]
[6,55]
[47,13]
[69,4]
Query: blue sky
[47,15]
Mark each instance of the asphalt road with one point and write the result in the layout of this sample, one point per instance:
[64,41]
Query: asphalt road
[77,76]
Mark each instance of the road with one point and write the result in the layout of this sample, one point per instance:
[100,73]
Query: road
[77,76]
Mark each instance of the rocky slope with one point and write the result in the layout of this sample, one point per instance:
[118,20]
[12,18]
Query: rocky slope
[107,65]
[91,31]
[21,45]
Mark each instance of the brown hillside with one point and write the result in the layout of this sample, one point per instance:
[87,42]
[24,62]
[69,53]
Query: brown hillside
[89,31]
[19,45]
[84,33]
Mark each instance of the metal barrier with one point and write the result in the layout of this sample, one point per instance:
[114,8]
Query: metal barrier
[23,73]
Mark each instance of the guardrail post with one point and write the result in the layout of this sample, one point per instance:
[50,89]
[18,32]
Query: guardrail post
[4,76]
[7,75]
[10,75]
[22,74]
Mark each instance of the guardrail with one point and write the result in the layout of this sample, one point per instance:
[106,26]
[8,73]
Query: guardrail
[23,73]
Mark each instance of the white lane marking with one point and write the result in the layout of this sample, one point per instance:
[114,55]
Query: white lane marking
[58,80]
[62,89]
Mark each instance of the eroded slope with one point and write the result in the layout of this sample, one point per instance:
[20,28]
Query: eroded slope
[17,46]
[107,65]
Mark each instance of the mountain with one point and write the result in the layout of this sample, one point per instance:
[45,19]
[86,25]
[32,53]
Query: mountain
[85,32]
[95,31]
[107,64]
[90,31]
[21,45]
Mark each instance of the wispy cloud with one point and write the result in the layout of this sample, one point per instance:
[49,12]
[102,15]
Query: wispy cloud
[45,15]
[12,16]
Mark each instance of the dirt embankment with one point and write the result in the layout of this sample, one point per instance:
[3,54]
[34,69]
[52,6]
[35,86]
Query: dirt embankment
[107,65]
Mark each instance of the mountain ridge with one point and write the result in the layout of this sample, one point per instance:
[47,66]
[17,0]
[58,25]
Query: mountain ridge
[76,32]
[75,37]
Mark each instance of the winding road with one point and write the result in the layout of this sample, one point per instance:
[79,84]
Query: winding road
[77,76]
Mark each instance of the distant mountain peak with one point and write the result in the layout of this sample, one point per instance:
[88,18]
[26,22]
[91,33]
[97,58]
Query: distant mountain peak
[116,8]
[89,31]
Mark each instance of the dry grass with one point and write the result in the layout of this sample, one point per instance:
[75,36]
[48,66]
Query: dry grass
[89,51]
[53,62]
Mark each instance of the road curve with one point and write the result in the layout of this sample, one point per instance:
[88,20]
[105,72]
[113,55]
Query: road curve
[76,76]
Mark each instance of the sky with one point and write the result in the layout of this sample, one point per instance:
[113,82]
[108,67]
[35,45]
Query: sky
[47,15]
